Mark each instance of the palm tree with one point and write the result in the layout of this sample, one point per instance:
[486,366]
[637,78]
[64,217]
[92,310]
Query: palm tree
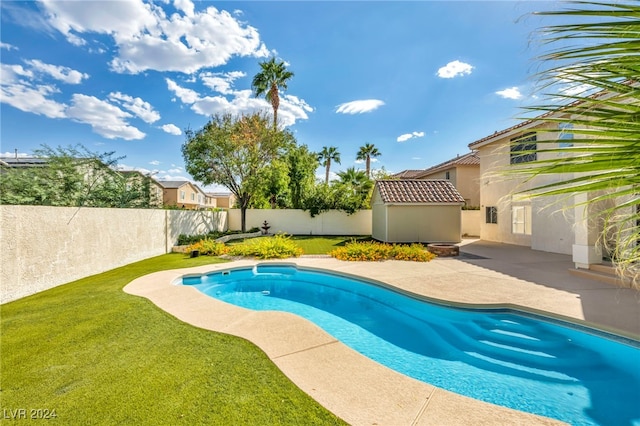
[355,179]
[272,77]
[326,156]
[365,153]
[595,47]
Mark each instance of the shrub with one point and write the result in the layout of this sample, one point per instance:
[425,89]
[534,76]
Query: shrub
[279,246]
[208,248]
[414,252]
[374,251]
[362,251]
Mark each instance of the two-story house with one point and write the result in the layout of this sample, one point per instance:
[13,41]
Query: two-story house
[183,194]
[558,224]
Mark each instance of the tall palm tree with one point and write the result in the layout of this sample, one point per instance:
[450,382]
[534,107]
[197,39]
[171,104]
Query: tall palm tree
[326,156]
[272,77]
[365,153]
[596,46]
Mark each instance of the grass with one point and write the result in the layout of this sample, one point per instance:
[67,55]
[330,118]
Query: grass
[316,244]
[97,355]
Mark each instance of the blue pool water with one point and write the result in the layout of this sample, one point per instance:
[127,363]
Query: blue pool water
[502,356]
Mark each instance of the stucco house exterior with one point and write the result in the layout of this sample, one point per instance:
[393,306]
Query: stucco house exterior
[463,171]
[426,211]
[223,200]
[182,194]
[551,224]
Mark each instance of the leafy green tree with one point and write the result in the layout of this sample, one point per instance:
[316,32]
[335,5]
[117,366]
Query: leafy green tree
[234,152]
[595,48]
[326,156]
[353,190]
[365,153]
[73,176]
[320,198]
[276,185]
[302,168]
[272,77]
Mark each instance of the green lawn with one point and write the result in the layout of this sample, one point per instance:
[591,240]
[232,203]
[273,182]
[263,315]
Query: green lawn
[318,244]
[97,355]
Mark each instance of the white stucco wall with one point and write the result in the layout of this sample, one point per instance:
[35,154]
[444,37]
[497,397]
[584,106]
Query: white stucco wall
[43,247]
[300,222]
[471,222]
[551,222]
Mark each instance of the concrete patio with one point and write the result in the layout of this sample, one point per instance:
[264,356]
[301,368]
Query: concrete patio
[363,392]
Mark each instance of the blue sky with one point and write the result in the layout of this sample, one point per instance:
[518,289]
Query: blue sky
[419,80]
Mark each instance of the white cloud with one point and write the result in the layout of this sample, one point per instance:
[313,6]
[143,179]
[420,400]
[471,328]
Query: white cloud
[510,93]
[163,175]
[13,73]
[7,46]
[20,93]
[147,39]
[64,74]
[104,118]
[140,108]
[454,69]
[240,102]
[221,82]
[416,158]
[154,163]
[172,129]
[13,154]
[187,96]
[359,107]
[405,137]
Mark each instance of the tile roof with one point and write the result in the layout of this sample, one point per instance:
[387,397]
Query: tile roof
[407,174]
[414,191]
[469,159]
[173,183]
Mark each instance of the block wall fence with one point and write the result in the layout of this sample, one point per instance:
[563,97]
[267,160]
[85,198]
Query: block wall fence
[43,247]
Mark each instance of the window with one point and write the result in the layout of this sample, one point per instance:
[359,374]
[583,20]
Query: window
[492,214]
[565,136]
[182,195]
[447,176]
[521,220]
[193,196]
[523,148]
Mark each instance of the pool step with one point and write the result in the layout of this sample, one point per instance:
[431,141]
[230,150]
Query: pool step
[521,349]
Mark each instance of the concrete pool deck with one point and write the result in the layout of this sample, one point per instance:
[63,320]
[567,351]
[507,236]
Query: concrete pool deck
[363,392]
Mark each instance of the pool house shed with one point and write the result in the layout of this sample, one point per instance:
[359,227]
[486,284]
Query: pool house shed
[425,211]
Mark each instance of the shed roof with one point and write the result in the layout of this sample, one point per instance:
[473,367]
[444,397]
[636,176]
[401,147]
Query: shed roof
[419,191]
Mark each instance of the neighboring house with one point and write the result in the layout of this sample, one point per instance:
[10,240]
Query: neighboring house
[416,211]
[22,162]
[463,172]
[155,188]
[407,174]
[182,194]
[224,200]
[547,223]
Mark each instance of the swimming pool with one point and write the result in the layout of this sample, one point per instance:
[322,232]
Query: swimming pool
[515,359]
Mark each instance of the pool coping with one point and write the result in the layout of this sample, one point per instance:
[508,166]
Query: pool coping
[353,387]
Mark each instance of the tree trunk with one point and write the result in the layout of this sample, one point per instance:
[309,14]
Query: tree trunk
[243,218]
[326,179]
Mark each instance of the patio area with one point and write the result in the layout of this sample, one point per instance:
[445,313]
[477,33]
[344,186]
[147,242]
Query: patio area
[361,391]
